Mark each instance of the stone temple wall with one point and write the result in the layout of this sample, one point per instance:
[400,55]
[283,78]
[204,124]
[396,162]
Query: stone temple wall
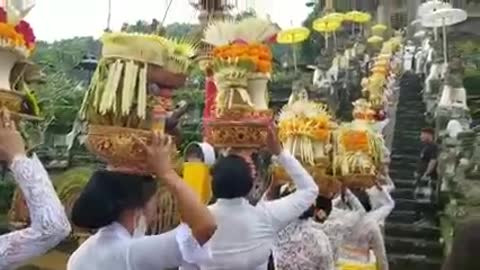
[458,163]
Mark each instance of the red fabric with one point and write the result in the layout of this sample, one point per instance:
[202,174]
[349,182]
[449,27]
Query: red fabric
[210,95]
[272,39]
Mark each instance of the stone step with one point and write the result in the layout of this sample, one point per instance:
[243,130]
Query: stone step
[396,172]
[403,193]
[402,216]
[405,165]
[413,262]
[410,231]
[406,148]
[408,123]
[409,113]
[404,183]
[413,205]
[408,136]
[404,157]
[397,245]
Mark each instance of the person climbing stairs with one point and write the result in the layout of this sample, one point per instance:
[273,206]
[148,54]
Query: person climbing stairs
[410,244]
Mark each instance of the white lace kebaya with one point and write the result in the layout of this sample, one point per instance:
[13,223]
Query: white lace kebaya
[301,245]
[49,223]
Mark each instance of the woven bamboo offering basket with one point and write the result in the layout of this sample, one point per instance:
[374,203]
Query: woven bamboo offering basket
[131,95]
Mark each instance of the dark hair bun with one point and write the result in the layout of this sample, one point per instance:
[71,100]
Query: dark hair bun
[231,178]
[107,195]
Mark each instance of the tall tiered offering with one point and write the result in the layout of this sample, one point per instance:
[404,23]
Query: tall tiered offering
[358,155]
[130,95]
[306,129]
[241,65]
[17,42]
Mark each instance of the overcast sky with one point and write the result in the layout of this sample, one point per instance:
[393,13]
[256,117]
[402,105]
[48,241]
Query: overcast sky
[58,19]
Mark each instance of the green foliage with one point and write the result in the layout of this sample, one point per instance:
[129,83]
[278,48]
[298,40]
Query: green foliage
[60,99]
[178,30]
[7,188]
[72,181]
[65,55]
[311,47]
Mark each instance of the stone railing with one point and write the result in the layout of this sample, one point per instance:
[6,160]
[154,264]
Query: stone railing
[458,164]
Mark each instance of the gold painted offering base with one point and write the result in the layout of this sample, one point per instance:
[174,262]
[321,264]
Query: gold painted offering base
[239,128]
[361,181]
[118,147]
[328,185]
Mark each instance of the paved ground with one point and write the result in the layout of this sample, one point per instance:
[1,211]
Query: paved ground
[54,260]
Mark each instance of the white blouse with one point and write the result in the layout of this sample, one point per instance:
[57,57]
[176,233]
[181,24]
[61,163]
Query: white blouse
[382,203]
[113,247]
[49,223]
[245,234]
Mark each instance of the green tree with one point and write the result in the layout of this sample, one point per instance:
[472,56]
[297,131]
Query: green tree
[65,55]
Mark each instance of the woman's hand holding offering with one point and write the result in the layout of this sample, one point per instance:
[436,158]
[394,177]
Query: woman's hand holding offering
[11,142]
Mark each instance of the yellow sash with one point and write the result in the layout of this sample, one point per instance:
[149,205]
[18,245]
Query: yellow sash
[355,266]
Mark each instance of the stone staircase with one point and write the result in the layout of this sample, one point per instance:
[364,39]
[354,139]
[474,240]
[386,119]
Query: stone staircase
[410,246]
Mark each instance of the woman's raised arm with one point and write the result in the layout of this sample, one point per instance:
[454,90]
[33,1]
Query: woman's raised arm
[49,223]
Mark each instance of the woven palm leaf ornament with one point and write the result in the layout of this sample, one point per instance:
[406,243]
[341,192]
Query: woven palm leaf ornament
[120,103]
[358,153]
[240,53]
[306,129]
[118,94]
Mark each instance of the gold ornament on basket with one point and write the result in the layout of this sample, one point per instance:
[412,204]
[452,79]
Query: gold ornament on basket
[241,63]
[121,103]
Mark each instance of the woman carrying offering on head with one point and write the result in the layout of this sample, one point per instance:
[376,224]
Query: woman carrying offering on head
[120,206]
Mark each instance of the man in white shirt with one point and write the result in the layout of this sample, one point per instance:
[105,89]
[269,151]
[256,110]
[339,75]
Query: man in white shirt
[408,57]
[245,234]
